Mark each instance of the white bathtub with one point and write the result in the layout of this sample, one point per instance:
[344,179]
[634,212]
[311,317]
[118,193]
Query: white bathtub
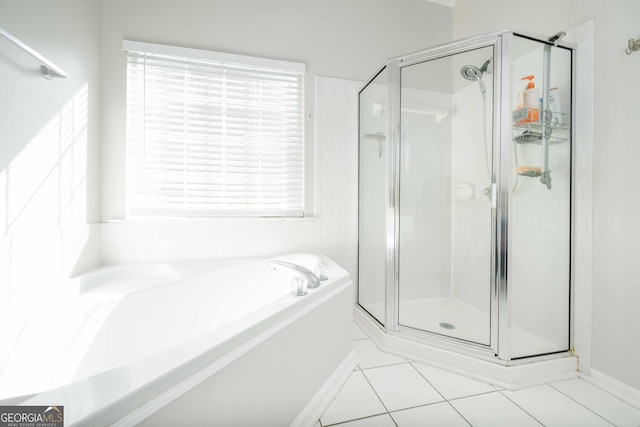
[214,342]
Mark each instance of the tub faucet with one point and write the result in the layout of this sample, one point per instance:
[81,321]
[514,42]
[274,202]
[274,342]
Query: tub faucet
[313,280]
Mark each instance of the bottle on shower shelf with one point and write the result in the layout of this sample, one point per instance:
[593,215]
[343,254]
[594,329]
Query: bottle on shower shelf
[531,100]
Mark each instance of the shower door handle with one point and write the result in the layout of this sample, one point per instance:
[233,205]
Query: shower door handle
[494,195]
[490,192]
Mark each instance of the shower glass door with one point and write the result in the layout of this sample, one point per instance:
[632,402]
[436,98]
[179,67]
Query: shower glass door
[446,197]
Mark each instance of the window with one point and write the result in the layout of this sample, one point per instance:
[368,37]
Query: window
[213,134]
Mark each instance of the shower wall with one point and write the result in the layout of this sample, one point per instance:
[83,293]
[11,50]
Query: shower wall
[425,194]
[471,213]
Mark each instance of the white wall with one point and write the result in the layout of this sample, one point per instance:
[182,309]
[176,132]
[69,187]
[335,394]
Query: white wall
[336,158]
[49,157]
[616,196]
[347,39]
[49,143]
[471,216]
[425,189]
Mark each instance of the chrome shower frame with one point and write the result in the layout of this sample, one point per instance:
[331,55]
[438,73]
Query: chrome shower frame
[408,341]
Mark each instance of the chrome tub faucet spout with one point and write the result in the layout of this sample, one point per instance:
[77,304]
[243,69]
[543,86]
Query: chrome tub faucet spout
[312,279]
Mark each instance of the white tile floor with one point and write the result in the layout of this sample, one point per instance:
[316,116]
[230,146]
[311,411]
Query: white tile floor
[387,390]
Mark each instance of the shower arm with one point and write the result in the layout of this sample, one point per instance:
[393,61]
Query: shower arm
[545,173]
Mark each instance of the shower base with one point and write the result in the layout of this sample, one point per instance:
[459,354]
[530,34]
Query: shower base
[471,324]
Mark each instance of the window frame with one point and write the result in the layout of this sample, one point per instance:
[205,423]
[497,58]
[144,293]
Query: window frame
[186,210]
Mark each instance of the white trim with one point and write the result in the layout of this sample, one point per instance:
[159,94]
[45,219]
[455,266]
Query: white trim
[321,400]
[159,49]
[621,390]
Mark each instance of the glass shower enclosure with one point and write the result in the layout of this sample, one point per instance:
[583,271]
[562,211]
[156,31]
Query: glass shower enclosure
[465,195]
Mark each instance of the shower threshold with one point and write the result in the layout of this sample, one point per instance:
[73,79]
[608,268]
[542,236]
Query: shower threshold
[421,319]
[469,324]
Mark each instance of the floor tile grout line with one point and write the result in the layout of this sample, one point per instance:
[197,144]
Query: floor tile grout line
[459,413]
[521,408]
[384,366]
[609,393]
[334,398]
[438,391]
[356,419]
[379,398]
[358,368]
[428,404]
[472,395]
[586,407]
[429,382]
[416,406]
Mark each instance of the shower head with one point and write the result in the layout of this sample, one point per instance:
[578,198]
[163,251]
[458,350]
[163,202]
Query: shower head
[471,72]
[474,74]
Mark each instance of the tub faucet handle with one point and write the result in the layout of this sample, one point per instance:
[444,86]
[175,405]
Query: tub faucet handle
[321,272]
[299,286]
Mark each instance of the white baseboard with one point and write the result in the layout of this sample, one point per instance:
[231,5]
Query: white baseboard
[319,403]
[616,387]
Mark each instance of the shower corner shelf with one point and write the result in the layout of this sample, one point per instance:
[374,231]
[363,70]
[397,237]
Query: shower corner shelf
[531,132]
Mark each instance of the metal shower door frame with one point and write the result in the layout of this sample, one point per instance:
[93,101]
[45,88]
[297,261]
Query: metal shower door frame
[392,326]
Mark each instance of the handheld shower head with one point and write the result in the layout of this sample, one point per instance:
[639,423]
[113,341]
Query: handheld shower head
[474,74]
[471,72]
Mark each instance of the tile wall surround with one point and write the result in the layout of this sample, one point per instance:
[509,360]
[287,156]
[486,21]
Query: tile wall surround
[159,241]
[336,134]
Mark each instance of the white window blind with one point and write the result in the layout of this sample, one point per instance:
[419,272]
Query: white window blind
[212,134]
